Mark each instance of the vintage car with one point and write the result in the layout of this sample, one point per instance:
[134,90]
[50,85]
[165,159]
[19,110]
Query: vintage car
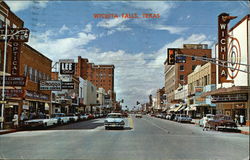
[40,122]
[184,118]
[221,122]
[208,116]
[61,118]
[72,117]
[114,120]
[138,115]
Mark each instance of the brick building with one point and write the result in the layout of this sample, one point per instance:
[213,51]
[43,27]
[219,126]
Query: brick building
[32,66]
[102,76]
[176,75]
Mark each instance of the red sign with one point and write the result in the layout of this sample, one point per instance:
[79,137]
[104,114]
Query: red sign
[223,20]
[13,93]
[16,47]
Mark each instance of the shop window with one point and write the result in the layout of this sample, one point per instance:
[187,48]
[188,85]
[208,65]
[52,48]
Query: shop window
[25,70]
[193,58]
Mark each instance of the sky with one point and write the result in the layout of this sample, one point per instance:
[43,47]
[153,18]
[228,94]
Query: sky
[136,46]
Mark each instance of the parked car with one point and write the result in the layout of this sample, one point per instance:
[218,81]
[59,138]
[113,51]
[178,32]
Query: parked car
[208,116]
[138,115]
[172,117]
[114,120]
[40,122]
[184,118]
[176,117]
[72,117]
[84,116]
[61,118]
[221,121]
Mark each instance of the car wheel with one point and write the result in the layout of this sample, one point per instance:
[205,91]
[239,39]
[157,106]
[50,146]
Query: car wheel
[45,125]
[106,128]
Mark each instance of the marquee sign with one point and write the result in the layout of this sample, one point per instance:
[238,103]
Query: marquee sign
[67,66]
[16,48]
[229,98]
[223,20]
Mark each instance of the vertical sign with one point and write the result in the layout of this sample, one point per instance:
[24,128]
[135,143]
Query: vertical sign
[15,58]
[223,20]
[67,66]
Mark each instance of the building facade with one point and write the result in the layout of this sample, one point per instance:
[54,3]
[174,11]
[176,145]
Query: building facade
[176,75]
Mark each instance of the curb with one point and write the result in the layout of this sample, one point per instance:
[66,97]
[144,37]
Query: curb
[10,131]
[245,132]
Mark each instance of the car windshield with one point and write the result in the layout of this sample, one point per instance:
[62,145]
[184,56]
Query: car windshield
[124,79]
[114,116]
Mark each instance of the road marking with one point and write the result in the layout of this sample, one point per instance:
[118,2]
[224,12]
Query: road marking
[131,122]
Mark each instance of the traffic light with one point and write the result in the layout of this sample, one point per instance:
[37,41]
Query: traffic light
[171,56]
[137,103]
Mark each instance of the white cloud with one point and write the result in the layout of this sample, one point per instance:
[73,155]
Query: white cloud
[110,23]
[16,6]
[88,28]
[171,29]
[63,29]
[155,6]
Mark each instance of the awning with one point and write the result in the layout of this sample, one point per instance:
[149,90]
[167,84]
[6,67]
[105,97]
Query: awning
[182,108]
[192,108]
[177,108]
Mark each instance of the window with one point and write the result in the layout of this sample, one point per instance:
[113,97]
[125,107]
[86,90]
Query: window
[36,76]
[181,67]
[204,57]
[30,72]
[181,77]
[25,70]
[193,67]
[193,58]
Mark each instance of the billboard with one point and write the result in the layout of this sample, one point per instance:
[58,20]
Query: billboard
[53,85]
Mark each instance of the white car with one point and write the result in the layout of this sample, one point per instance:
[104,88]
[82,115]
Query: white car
[72,117]
[61,118]
[41,122]
[114,120]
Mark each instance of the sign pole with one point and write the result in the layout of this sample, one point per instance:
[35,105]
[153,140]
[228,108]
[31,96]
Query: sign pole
[4,70]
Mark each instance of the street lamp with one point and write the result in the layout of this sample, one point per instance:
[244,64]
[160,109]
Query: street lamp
[6,41]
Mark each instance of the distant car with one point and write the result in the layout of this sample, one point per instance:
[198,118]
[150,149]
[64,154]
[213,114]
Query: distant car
[114,120]
[209,117]
[125,114]
[138,115]
[40,122]
[61,118]
[72,117]
[184,118]
[83,116]
[222,122]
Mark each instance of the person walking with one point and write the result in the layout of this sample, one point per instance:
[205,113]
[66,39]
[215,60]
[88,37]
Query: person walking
[15,120]
[205,124]
[241,120]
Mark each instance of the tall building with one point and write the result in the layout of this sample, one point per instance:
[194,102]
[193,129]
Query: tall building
[102,76]
[176,75]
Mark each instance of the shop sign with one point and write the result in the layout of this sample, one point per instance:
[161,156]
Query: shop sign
[26,105]
[12,93]
[16,47]
[53,85]
[67,66]
[198,89]
[223,20]
[229,98]
[13,81]
[36,95]
[16,34]
[68,85]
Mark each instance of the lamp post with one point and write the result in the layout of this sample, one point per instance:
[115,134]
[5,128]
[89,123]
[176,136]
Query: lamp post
[4,67]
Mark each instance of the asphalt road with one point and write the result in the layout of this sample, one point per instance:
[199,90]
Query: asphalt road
[142,139]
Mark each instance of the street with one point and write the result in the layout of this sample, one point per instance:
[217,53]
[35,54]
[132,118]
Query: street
[142,139]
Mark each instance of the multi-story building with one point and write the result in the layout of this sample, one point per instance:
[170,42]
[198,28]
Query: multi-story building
[29,67]
[102,76]
[233,97]
[202,79]
[176,75]
[160,99]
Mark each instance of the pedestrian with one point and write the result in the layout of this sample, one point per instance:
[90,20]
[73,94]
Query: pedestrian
[205,123]
[236,119]
[15,120]
[241,120]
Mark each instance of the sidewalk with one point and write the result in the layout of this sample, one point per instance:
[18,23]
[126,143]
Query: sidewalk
[243,129]
[5,131]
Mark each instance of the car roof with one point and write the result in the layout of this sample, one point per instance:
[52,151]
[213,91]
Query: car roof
[114,114]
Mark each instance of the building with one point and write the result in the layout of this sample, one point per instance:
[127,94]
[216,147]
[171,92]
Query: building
[28,66]
[202,79]
[176,75]
[102,76]
[160,99]
[232,95]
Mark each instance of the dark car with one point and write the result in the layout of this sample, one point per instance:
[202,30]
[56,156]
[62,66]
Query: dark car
[221,121]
